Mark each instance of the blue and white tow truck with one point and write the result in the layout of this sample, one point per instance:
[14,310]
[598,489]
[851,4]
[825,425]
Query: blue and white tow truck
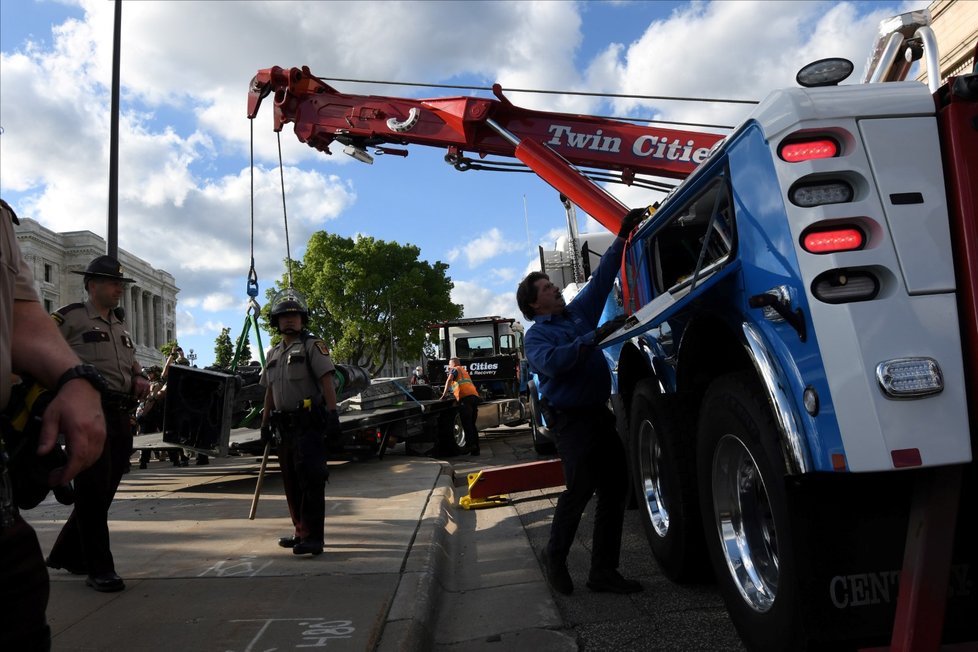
[796,380]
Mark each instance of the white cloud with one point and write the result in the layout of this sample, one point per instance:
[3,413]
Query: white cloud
[502,275]
[479,301]
[488,245]
[696,53]
[218,301]
[185,184]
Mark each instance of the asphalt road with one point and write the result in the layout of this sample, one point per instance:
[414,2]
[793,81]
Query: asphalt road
[665,616]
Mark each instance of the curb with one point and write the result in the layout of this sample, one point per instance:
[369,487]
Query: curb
[414,608]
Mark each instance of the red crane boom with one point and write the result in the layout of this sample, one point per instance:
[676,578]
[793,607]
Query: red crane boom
[553,145]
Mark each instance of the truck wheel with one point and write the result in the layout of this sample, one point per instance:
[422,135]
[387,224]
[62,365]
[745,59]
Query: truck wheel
[458,433]
[665,486]
[541,444]
[449,431]
[745,514]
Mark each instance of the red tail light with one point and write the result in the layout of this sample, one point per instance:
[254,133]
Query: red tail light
[827,241]
[806,150]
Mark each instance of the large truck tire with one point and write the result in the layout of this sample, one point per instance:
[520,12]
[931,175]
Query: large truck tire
[745,509]
[663,471]
[451,435]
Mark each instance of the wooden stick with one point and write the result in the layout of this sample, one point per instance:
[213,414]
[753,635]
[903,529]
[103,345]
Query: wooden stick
[261,478]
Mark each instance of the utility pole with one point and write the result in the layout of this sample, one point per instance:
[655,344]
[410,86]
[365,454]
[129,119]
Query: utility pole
[390,314]
[112,226]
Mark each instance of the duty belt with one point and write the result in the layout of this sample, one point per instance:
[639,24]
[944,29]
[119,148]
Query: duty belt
[118,401]
[294,419]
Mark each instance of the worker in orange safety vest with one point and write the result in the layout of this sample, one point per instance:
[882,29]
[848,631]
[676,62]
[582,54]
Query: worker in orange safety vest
[461,385]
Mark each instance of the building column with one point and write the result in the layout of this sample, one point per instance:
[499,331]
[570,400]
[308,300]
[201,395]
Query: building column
[144,301]
[157,321]
[134,314]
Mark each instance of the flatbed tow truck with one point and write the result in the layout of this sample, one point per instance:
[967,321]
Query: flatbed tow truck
[200,415]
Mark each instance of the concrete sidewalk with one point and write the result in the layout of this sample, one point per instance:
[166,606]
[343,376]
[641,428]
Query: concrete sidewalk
[404,567]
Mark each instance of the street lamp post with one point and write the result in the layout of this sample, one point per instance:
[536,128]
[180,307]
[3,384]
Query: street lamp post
[192,357]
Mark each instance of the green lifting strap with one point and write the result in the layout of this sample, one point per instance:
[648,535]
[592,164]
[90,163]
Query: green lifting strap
[251,321]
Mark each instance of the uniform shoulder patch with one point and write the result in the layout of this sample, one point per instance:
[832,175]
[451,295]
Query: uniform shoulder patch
[5,207]
[321,345]
[59,314]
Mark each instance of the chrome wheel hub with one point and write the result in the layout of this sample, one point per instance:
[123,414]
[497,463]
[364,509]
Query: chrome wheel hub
[745,523]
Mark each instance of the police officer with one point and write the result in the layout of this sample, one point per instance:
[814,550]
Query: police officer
[561,347]
[467,396]
[300,405]
[95,330]
[30,344]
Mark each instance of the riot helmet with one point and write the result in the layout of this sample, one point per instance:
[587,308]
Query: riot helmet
[286,301]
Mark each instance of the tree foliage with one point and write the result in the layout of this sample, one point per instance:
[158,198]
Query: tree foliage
[359,290]
[223,351]
[245,356]
[167,348]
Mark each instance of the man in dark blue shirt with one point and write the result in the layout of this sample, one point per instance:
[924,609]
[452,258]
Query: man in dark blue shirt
[561,347]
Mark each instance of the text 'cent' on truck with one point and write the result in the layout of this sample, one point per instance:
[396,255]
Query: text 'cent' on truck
[795,375]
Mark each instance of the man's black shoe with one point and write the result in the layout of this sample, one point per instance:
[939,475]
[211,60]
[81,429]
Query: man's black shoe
[308,548]
[71,569]
[105,582]
[288,542]
[203,460]
[557,575]
[611,581]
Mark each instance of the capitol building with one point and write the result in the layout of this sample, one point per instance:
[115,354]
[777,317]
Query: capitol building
[150,302]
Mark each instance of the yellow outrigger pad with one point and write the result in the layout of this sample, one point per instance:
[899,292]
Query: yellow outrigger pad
[489,487]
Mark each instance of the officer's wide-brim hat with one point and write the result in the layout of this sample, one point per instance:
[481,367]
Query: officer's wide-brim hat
[105,267]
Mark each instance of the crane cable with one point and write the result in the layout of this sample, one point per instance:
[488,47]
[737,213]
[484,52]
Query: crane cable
[254,309]
[285,216]
[252,287]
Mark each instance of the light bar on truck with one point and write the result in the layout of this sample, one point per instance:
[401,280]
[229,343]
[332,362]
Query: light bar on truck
[910,377]
[807,150]
[809,195]
[828,241]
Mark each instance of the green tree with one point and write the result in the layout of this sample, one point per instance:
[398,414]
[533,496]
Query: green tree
[366,294]
[245,355]
[167,348]
[223,352]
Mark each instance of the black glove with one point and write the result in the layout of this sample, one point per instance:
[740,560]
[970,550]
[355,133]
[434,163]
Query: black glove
[266,433]
[333,432]
[631,220]
[609,327]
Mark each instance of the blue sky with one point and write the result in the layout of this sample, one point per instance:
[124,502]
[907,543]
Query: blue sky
[184,199]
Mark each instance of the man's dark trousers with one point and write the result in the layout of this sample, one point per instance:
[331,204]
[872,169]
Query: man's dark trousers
[468,410]
[593,460]
[302,457]
[83,545]
[23,590]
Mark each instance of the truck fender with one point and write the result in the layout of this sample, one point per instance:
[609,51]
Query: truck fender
[794,445]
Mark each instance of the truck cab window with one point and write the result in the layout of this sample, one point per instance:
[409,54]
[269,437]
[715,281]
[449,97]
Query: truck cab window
[693,244]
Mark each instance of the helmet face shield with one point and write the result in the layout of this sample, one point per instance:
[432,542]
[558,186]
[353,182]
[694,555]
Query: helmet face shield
[288,301]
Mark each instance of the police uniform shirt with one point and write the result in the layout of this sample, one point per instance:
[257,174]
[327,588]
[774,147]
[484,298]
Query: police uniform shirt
[100,342]
[294,372]
[16,284]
